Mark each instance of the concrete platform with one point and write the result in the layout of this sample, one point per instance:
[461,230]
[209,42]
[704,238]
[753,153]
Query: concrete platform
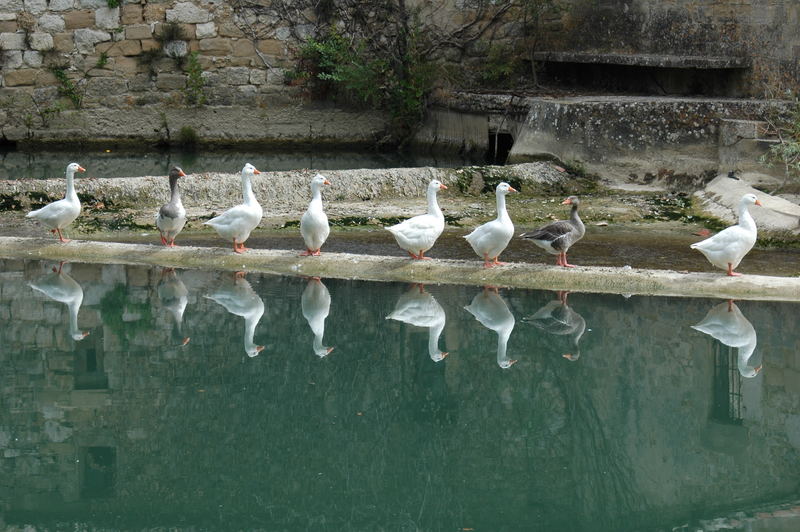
[382,268]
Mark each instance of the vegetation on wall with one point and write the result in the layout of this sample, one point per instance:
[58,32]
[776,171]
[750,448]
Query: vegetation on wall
[194,92]
[785,152]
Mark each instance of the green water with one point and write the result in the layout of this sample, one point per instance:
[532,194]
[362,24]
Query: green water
[170,414]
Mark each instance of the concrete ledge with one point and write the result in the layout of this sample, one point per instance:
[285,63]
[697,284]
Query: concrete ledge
[381,268]
[646,60]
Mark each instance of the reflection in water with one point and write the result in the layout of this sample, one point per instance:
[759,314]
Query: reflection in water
[174,296]
[240,299]
[726,323]
[492,312]
[557,318]
[59,286]
[419,308]
[316,303]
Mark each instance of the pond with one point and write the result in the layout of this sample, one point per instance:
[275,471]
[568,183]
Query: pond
[140,397]
[133,163]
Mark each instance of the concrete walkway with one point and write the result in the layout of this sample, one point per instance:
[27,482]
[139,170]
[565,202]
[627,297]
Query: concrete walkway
[382,268]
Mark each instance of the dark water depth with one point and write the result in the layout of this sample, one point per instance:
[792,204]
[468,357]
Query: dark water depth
[139,398]
[133,163]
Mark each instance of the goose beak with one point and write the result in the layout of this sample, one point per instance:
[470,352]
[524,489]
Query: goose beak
[86,333]
[566,202]
[758,203]
[512,189]
[81,169]
[182,174]
[255,171]
[442,187]
[326,182]
[758,368]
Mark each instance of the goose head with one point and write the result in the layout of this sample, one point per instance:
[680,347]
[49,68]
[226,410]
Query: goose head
[249,170]
[75,167]
[504,188]
[750,199]
[319,180]
[176,172]
[572,200]
[435,186]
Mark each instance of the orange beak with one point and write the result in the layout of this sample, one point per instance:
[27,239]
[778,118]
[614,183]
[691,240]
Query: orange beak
[442,187]
[256,171]
[81,169]
[758,203]
[326,182]
[566,202]
[512,189]
[182,174]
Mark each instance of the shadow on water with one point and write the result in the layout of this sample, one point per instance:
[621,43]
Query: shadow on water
[415,422]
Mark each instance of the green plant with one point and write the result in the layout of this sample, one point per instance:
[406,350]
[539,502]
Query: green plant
[187,137]
[786,150]
[102,61]
[502,64]
[195,95]
[113,3]
[67,87]
[168,32]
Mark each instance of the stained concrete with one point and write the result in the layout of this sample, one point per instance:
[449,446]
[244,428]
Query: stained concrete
[381,268]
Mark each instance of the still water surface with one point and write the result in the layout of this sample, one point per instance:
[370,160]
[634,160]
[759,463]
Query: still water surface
[129,163]
[135,397]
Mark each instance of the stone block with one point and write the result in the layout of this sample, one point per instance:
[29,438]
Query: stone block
[45,78]
[52,23]
[139,31]
[154,12]
[166,81]
[7,17]
[140,83]
[85,39]
[16,78]
[107,18]
[216,46]
[258,76]
[240,61]
[229,29]
[35,7]
[105,86]
[12,41]
[176,49]
[63,42]
[61,5]
[131,14]
[12,59]
[243,48]
[93,4]
[149,44]
[9,26]
[11,5]
[79,19]
[130,47]
[126,65]
[272,47]
[237,75]
[206,30]
[41,41]
[187,12]
[32,59]
[283,33]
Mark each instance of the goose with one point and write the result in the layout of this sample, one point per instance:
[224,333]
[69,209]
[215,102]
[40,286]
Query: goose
[240,299]
[314,224]
[491,238]
[557,318]
[171,217]
[419,308]
[726,323]
[418,234]
[59,286]
[61,213]
[492,312]
[237,222]
[315,304]
[557,237]
[727,248]
[173,296]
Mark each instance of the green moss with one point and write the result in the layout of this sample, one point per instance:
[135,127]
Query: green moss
[364,221]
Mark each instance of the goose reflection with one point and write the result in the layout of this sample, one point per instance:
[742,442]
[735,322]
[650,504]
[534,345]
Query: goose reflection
[492,312]
[557,318]
[59,286]
[173,296]
[316,303]
[240,299]
[419,308]
[726,323]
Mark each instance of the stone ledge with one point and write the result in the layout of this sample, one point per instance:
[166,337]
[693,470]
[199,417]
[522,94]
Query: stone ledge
[646,60]
[396,269]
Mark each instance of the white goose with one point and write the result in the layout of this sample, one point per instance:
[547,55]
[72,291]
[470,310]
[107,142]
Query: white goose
[316,303]
[727,248]
[174,297]
[492,312]
[726,323]
[418,234]
[314,225]
[237,222]
[491,238]
[557,318]
[241,300]
[419,308]
[60,287]
[61,213]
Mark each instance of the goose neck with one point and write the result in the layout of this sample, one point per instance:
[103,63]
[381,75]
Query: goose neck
[247,189]
[745,218]
[501,207]
[71,184]
[433,204]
